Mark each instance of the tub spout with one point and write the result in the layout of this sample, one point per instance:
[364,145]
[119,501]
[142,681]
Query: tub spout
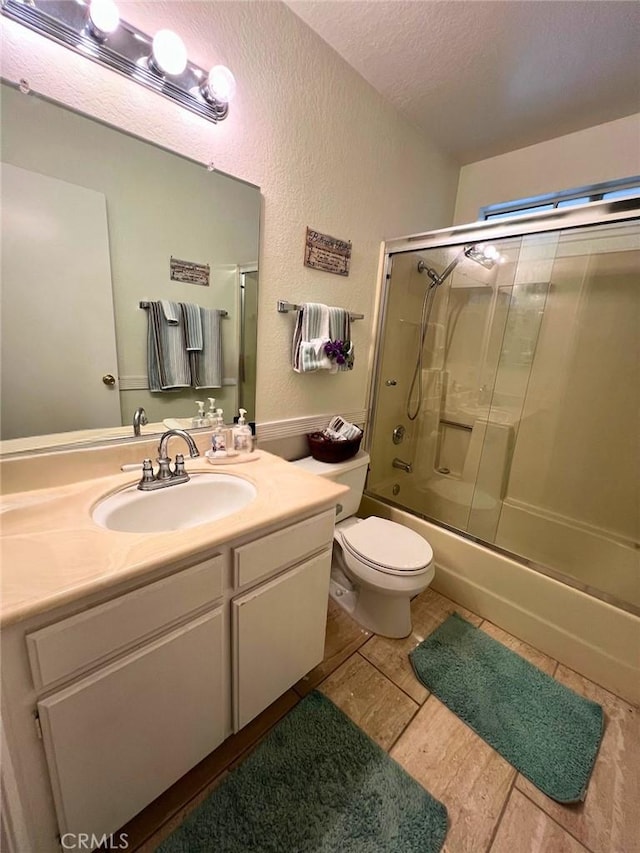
[403,466]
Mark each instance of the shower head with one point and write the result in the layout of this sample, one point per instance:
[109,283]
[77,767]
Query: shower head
[482,253]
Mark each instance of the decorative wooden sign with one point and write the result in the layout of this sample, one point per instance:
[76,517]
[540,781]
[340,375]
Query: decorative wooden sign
[322,252]
[189,272]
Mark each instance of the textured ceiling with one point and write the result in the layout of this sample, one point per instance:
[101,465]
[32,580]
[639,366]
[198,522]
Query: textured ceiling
[482,77]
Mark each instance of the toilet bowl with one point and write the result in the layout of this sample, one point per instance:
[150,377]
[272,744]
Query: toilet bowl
[378,565]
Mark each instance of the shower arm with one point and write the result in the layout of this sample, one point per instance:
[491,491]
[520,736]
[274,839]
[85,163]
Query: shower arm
[437,280]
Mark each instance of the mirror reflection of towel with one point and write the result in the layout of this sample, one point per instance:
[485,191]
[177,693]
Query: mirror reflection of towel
[167,360]
[184,346]
[206,363]
[192,326]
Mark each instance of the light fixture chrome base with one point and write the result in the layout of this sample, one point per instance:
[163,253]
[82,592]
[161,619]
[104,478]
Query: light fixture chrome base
[127,51]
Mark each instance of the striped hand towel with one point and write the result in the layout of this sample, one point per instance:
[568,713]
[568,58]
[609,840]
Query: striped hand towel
[340,330]
[310,335]
[167,361]
[206,364]
[192,325]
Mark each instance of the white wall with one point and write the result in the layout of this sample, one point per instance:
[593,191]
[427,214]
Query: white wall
[601,153]
[325,149]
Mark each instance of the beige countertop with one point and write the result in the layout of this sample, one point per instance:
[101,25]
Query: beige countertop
[53,553]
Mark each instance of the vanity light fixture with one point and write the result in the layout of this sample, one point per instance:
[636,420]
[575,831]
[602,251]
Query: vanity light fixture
[168,53]
[94,29]
[220,85]
[103,18]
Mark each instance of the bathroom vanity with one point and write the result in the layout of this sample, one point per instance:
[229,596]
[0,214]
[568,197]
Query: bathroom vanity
[127,658]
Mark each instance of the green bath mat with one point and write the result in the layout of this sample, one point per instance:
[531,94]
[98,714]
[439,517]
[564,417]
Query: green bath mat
[546,731]
[316,783]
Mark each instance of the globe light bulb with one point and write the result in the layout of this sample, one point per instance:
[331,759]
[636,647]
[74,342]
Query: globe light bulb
[169,52]
[103,17]
[221,84]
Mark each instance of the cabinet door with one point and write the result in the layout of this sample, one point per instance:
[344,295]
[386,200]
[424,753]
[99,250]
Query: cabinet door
[278,635]
[118,738]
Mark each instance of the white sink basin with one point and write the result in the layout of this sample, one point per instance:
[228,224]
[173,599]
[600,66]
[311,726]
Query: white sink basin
[204,498]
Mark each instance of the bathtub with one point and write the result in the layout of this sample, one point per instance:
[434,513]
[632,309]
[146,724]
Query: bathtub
[585,633]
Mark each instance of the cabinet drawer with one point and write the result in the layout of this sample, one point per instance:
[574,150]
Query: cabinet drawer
[261,558]
[85,639]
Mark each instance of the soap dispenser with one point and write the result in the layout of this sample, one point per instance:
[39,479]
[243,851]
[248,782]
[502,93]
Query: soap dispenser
[219,437]
[200,420]
[211,414]
[242,435]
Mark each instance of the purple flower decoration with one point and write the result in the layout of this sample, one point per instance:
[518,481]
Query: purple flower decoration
[337,350]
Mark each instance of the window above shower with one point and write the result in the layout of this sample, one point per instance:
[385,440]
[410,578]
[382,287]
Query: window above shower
[609,191]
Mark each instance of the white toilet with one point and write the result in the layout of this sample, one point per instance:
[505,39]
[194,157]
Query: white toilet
[378,565]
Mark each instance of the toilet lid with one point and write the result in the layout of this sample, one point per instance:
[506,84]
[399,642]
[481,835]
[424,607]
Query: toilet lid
[388,545]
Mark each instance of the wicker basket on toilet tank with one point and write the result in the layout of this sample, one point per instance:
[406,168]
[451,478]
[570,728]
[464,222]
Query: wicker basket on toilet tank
[326,450]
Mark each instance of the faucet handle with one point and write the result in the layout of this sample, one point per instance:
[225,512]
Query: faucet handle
[179,469]
[147,471]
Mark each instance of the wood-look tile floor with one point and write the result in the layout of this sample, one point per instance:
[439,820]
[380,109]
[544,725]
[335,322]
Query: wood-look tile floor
[492,808]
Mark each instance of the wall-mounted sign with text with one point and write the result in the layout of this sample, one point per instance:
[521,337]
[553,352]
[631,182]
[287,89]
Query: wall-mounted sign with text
[322,252]
[189,272]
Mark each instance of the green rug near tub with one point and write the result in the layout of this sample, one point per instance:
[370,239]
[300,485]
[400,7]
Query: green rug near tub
[316,783]
[548,732]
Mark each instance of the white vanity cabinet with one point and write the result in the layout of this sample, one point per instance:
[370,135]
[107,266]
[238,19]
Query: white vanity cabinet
[107,707]
[109,701]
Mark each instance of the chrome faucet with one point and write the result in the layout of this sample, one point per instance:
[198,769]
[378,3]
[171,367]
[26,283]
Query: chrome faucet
[164,442]
[165,476]
[402,465]
[139,419]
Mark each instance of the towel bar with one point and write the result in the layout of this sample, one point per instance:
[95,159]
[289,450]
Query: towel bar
[222,313]
[284,307]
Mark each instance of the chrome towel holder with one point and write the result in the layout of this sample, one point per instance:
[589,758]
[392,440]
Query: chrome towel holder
[284,307]
[222,313]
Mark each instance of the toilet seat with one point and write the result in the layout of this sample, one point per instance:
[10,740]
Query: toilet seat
[387,547]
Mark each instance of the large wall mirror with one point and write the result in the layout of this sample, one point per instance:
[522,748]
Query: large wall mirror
[91,218]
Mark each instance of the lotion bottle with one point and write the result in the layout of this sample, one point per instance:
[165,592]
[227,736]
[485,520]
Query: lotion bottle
[242,435]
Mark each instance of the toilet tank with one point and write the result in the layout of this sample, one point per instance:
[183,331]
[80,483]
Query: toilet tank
[351,473]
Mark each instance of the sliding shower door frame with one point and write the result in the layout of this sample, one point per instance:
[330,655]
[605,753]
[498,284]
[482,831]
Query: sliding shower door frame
[593,214]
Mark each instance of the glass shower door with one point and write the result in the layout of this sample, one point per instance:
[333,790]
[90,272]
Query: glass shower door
[526,432]
[572,499]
